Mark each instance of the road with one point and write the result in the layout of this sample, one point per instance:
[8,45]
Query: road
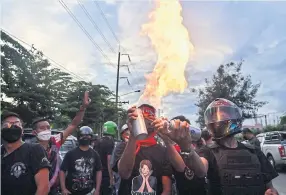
[280,183]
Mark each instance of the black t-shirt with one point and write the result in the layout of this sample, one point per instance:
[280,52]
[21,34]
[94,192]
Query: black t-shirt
[18,169]
[160,166]
[106,146]
[213,176]
[81,167]
[196,186]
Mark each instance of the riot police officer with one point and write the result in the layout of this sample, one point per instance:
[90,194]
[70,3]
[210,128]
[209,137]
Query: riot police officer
[233,168]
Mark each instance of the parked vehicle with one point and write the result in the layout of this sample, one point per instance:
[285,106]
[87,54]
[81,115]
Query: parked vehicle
[273,145]
[70,143]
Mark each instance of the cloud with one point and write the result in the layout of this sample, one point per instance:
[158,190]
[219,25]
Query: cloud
[220,31]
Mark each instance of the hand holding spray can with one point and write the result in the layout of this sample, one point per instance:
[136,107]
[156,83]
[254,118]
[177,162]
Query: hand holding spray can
[139,129]
[194,132]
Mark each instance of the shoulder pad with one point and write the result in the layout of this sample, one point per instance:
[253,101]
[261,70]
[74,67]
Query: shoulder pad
[213,145]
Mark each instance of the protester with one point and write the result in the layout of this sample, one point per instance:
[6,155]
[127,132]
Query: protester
[189,171]
[250,137]
[233,168]
[143,165]
[52,144]
[24,166]
[106,146]
[83,167]
[124,135]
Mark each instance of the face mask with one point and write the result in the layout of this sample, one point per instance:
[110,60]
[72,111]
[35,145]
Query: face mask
[11,134]
[44,135]
[84,142]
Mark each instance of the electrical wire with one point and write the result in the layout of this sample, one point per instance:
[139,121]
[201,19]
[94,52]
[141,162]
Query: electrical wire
[58,64]
[95,26]
[85,31]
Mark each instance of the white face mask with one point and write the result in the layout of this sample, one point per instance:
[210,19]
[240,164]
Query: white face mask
[44,135]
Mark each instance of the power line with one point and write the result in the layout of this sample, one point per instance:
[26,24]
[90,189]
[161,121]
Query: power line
[104,17]
[84,31]
[95,26]
[58,64]
[112,31]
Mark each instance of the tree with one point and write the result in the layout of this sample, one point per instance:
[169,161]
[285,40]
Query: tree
[29,85]
[283,120]
[229,83]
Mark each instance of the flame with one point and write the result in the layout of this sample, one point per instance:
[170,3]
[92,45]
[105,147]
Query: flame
[171,41]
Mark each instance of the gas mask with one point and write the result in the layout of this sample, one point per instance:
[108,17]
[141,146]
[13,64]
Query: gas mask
[11,134]
[44,135]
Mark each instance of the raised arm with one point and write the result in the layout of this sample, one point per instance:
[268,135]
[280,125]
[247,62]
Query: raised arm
[78,118]
[127,160]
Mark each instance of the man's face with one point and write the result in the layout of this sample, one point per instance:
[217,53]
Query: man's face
[247,135]
[42,126]
[125,135]
[12,120]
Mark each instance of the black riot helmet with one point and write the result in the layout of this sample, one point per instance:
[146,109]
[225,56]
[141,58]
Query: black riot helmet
[223,118]
[84,131]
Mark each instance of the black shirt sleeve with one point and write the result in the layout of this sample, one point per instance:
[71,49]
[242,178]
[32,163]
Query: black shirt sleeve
[39,158]
[109,147]
[98,165]
[267,169]
[166,166]
[116,155]
[66,161]
[206,153]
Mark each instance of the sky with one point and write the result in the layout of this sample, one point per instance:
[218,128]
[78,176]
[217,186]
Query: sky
[221,31]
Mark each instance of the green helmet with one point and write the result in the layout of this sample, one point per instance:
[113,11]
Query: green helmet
[109,128]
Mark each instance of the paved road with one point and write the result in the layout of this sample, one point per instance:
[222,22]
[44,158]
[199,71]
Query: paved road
[280,183]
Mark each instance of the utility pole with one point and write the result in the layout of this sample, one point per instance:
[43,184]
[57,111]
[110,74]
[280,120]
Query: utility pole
[117,84]
[265,120]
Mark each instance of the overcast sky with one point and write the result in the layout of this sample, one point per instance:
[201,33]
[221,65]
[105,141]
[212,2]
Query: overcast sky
[220,32]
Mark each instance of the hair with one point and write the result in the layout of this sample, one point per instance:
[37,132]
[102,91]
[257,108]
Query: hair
[247,130]
[147,163]
[36,121]
[182,118]
[206,135]
[7,114]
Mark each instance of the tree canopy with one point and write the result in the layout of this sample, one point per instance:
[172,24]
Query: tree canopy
[228,82]
[32,87]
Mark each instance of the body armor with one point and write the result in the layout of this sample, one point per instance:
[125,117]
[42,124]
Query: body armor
[239,170]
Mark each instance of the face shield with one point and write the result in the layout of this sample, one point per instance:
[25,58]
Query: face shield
[222,113]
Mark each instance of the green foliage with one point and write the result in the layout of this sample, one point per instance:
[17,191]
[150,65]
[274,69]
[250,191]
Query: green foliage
[283,120]
[31,87]
[228,82]
[270,128]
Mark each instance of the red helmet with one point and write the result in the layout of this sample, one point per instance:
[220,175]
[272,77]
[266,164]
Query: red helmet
[223,118]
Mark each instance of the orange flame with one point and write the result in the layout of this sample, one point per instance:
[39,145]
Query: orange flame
[171,41]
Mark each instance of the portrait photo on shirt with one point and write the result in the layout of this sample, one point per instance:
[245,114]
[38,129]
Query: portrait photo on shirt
[145,182]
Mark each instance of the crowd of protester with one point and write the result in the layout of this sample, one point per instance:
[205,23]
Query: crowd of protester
[169,161]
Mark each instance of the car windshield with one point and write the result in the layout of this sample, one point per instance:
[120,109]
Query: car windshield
[283,137]
[68,145]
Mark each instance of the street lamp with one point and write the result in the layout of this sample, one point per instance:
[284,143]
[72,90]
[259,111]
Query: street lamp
[137,91]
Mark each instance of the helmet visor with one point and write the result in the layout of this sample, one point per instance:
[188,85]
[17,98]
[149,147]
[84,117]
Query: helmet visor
[224,128]
[222,113]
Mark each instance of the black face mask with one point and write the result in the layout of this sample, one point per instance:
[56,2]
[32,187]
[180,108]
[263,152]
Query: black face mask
[11,134]
[84,142]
